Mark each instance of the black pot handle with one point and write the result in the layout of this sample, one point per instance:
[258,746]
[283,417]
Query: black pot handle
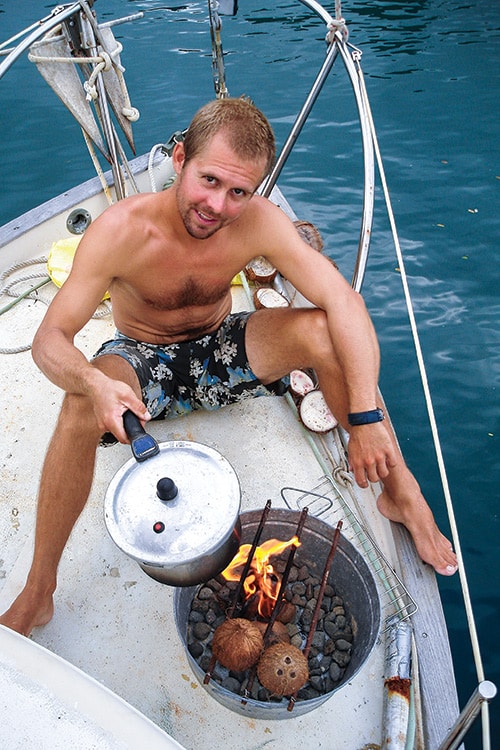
[143,444]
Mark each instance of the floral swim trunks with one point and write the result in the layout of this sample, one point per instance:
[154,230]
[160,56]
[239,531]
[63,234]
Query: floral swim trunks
[204,373]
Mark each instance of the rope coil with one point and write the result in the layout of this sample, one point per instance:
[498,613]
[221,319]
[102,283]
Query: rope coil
[7,289]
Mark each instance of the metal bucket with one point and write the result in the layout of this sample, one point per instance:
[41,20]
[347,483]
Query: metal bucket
[351,577]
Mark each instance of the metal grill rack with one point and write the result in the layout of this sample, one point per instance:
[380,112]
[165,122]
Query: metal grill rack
[327,503]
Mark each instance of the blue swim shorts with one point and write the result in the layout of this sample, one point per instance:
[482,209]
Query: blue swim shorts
[204,373]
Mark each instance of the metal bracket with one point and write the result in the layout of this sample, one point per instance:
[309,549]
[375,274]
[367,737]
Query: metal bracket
[177,137]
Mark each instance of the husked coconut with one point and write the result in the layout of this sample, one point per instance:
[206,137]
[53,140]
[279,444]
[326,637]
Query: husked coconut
[282,669]
[237,644]
[309,233]
[279,632]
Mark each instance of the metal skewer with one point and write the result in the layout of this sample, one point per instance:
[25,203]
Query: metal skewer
[321,592]
[235,602]
[278,602]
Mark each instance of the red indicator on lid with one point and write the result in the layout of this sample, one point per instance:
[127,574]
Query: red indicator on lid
[158,527]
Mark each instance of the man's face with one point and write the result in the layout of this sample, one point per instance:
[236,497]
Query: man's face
[214,187]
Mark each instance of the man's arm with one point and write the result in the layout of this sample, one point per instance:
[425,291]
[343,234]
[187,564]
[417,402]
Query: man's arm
[74,304]
[371,450]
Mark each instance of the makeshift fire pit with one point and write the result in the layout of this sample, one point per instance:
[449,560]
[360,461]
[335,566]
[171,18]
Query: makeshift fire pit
[337,645]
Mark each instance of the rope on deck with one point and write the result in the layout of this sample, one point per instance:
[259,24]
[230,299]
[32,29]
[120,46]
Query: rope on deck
[31,293]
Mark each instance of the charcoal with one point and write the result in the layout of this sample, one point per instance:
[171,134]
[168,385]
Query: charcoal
[331,645]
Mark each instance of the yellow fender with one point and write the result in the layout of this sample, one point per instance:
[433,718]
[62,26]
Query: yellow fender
[60,260]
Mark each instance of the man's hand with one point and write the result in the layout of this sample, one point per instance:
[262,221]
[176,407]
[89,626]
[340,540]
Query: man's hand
[111,400]
[372,453]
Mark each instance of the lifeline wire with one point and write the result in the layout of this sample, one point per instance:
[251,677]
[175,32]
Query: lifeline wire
[430,408]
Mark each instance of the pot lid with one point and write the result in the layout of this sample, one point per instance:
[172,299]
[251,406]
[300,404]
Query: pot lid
[199,511]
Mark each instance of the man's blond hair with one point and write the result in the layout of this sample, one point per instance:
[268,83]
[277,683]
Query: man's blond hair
[248,131]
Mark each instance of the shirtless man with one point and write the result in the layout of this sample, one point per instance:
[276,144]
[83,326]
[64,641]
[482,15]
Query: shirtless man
[167,260]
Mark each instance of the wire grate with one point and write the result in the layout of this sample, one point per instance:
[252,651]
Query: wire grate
[327,503]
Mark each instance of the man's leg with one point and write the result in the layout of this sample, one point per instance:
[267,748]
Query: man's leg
[65,485]
[278,341]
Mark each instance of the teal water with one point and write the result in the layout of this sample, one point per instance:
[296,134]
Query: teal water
[432,71]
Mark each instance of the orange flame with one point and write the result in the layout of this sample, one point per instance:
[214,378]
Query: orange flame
[262,580]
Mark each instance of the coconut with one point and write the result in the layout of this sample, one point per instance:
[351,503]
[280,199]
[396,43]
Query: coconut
[282,669]
[267,297]
[301,383]
[310,234]
[315,414]
[279,632]
[287,612]
[237,644]
[259,269]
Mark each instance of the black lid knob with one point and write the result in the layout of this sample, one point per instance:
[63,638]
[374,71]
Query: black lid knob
[166,489]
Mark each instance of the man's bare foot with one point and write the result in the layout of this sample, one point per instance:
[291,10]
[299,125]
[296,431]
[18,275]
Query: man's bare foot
[27,612]
[432,546]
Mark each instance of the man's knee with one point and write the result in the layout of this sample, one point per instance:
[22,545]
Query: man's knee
[117,368]
[77,411]
[317,336]
[77,419]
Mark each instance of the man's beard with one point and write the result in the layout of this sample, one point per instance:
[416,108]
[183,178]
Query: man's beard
[195,227]
[193,223]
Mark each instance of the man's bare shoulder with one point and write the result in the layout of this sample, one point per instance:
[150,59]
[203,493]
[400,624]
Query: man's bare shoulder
[275,236]
[264,215]
[134,207]
[264,206]
[122,225]
[270,225]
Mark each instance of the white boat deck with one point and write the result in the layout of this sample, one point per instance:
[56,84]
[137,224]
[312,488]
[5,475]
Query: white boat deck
[112,620]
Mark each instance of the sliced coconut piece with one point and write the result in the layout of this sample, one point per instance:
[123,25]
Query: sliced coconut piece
[259,269]
[315,414]
[301,383]
[267,297]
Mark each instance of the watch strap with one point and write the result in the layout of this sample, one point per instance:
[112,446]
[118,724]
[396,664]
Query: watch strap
[365,417]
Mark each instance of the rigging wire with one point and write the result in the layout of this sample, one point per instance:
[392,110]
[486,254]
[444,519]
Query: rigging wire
[430,410]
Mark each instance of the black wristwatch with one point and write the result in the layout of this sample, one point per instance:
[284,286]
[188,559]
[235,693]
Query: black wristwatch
[365,417]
